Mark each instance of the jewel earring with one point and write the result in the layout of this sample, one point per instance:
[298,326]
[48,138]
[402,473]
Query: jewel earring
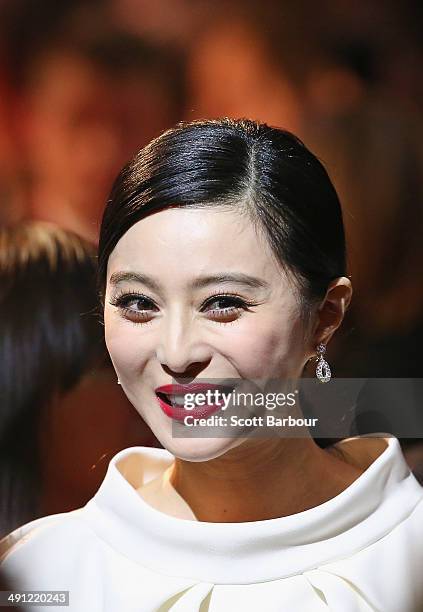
[323,372]
[118,382]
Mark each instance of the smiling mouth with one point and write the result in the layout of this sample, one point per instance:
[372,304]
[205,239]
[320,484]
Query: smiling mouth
[168,400]
[178,399]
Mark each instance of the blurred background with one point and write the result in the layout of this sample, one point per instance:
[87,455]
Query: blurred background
[85,84]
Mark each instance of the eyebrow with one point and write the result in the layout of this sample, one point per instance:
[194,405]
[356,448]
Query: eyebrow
[202,281]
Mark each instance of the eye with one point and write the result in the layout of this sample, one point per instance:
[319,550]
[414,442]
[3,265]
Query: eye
[225,307]
[135,306]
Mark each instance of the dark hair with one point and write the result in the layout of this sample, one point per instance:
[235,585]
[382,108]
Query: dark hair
[50,336]
[263,171]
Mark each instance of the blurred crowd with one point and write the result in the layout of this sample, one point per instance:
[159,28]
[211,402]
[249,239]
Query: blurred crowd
[85,84]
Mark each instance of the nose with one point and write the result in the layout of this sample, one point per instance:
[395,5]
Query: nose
[181,349]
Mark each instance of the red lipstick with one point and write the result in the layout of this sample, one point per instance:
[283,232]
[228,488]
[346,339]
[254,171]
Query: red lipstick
[170,398]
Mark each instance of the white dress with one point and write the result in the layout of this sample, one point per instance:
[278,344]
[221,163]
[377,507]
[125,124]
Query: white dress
[361,550]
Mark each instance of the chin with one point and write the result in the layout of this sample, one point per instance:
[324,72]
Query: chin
[198,449]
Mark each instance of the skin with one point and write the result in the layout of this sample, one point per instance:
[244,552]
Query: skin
[181,332]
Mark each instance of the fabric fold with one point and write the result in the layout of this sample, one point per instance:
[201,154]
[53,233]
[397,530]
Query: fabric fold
[358,552]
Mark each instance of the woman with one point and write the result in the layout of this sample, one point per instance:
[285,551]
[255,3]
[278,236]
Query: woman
[222,257]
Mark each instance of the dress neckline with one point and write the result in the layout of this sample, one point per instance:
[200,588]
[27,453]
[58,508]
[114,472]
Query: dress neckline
[161,495]
[239,553]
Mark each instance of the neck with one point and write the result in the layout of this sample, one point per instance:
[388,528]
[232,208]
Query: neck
[262,479]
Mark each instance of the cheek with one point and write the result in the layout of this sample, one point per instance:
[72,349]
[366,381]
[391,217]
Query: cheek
[271,349]
[127,350]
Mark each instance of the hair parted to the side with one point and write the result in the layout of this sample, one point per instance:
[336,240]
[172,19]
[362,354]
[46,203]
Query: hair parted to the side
[262,171]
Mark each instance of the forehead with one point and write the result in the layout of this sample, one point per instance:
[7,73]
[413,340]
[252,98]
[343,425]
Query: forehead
[181,243]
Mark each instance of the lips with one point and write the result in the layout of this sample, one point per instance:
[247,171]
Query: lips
[171,400]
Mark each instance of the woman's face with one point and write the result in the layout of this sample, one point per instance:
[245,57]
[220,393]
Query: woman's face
[168,325]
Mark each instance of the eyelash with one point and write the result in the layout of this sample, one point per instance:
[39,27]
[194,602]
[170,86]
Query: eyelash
[122,300]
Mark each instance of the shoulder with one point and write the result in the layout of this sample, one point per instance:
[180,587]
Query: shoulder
[387,572]
[46,552]
[46,533]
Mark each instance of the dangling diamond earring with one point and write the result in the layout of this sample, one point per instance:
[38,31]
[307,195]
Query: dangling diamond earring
[118,382]
[323,372]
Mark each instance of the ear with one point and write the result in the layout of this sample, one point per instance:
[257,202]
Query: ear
[332,310]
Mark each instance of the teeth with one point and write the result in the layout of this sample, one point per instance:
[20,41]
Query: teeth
[177,399]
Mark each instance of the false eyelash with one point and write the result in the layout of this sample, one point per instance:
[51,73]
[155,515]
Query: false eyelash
[118,299]
[241,306]
[242,302]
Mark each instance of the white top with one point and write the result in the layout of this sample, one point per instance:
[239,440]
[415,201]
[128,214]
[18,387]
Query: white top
[361,550]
